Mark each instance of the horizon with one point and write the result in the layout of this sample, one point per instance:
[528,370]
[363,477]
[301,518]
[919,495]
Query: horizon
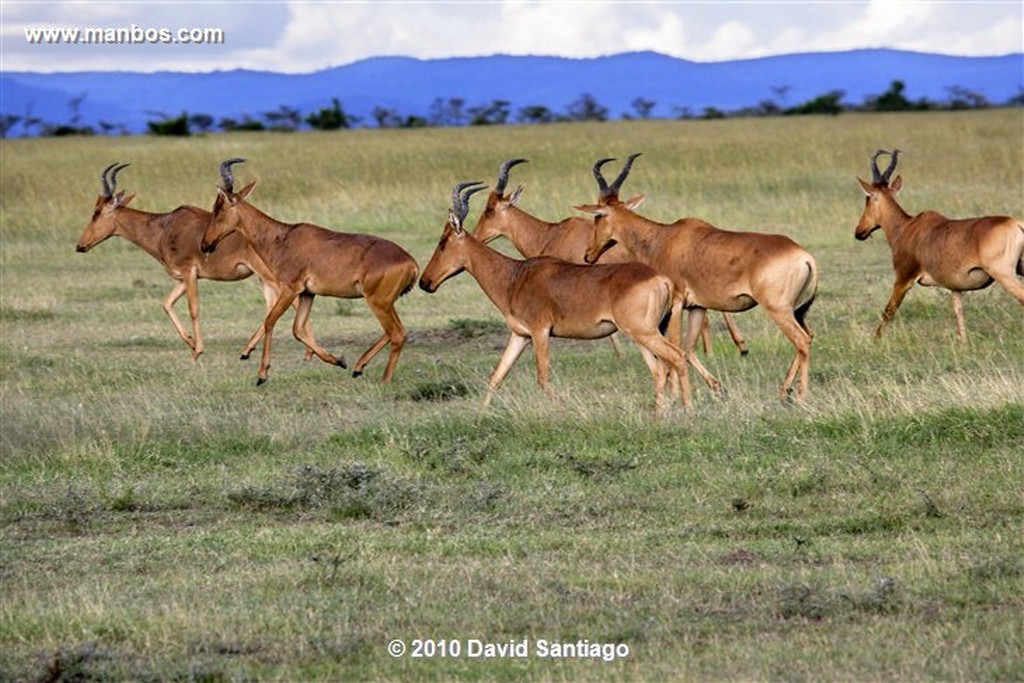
[410,58]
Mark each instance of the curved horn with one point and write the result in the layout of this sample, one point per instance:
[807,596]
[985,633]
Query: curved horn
[226,176]
[887,173]
[499,188]
[877,177]
[460,200]
[602,185]
[625,172]
[113,176]
[108,191]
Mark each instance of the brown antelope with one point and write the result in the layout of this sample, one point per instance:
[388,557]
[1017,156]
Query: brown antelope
[718,270]
[567,239]
[307,260]
[173,240]
[545,297]
[935,251]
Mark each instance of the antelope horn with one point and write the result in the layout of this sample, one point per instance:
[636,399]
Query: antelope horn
[226,176]
[624,173]
[877,176]
[892,166]
[499,188]
[602,185]
[460,200]
[108,191]
[113,176]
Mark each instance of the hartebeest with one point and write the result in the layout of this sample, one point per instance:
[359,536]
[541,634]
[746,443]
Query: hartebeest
[567,239]
[174,239]
[545,297]
[307,260]
[719,270]
[935,251]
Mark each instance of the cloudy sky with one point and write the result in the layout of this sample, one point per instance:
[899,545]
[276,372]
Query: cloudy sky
[303,36]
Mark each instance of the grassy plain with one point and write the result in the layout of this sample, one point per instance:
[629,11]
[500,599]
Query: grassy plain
[166,520]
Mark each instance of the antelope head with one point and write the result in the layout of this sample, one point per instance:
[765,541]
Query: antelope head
[450,256]
[495,216]
[103,223]
[610,211]
[880,195]
[224,218]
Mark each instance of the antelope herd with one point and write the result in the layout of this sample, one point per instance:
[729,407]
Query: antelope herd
[581,278]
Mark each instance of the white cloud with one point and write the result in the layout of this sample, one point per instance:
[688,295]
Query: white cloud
[309,35]
[732,40]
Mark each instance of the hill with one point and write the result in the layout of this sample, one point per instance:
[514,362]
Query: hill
[410,86]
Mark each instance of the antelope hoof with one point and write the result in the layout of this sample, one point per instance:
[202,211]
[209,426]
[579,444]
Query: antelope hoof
[260,381]
[357,373]
[244,356]
[744,352]
[340,362]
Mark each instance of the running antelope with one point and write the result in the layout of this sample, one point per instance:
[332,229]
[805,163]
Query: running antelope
[567,239]
[307,260]
[718,270]
[545,297]
[935,251]
[173,240]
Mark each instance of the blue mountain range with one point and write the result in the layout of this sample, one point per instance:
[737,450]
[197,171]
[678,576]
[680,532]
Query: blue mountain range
[411,86]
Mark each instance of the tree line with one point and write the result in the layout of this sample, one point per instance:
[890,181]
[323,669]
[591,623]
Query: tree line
[455,111]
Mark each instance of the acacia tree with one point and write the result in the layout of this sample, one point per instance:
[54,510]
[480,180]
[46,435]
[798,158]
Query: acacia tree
[587,108]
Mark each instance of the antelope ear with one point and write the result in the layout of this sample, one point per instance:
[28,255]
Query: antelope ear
[247,190]
[896,185]
[634,202]
[595,209]
[120,200]
[869,191]
[515,196]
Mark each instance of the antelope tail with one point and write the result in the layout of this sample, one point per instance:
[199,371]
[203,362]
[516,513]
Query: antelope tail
[808,293]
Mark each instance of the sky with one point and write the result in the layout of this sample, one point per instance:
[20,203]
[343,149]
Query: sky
[296,36]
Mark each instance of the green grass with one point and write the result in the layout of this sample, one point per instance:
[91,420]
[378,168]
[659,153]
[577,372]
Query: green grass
[167,520]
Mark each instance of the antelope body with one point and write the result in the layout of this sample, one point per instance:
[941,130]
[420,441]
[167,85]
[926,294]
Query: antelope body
[567,239]
[308,260]
[174,239]
[545,297]
[935,251]
[719,270]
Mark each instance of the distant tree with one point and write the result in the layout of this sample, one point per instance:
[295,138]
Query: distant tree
[7,122]
[203,122]
[175,126]
[495,113]
[962,98]
[682,112]
[331,118]
[781,93]
[250,124]
[1017,100]
[768,108]
[447,112]
[386,118]
[535,113]
[587,108]
[283,119]
[712,113]
[413,121]
[892,99]
[75,103]
[829,103]
[29,121]
[643,107]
